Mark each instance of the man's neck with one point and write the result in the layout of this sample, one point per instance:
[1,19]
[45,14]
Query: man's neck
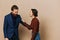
[13,14]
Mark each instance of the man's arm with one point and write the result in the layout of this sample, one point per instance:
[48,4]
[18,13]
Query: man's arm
[25,24]
[5,27]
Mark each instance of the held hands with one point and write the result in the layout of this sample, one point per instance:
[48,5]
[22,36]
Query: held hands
[6,39]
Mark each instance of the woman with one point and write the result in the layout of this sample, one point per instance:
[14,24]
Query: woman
[34,25]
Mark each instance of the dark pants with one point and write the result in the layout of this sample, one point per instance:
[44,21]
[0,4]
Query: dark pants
[14,37]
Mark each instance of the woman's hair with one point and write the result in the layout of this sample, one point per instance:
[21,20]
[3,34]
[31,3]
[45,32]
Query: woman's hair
[14,7]
[35,12]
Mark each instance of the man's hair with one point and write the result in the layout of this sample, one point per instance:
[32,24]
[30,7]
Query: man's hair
[35,12]
[14,7]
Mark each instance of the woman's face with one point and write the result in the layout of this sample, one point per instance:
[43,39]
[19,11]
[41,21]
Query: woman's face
[15,11]
[31,14]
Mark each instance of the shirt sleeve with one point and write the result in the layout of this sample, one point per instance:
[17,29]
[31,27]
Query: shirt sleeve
[20,19]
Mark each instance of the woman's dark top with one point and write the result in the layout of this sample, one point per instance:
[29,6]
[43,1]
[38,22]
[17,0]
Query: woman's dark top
[34,26]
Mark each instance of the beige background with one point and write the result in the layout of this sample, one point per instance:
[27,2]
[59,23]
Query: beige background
[49,16]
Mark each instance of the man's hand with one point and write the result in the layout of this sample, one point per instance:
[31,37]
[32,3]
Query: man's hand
[6,39]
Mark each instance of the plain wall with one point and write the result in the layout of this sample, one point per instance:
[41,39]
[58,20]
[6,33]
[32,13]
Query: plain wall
[49,17]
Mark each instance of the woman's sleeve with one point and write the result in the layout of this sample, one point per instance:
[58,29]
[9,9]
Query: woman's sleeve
[35,29]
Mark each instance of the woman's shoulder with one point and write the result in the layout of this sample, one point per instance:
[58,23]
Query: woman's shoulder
[36,19]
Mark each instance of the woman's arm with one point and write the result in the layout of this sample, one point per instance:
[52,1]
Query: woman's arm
[35,29]
[27,25]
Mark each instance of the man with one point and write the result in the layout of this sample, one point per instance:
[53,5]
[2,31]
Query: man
[11,22]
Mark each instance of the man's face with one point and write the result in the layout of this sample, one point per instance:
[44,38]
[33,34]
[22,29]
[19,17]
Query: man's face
[15,11]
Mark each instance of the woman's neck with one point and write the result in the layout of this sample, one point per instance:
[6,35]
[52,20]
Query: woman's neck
[33,17]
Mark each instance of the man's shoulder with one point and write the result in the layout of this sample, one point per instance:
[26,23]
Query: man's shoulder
[7,15]
[18,15]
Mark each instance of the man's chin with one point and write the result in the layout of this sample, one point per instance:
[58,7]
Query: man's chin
[15,14]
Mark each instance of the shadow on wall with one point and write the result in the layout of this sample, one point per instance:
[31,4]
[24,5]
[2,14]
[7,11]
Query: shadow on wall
[43,29]
[24,33]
